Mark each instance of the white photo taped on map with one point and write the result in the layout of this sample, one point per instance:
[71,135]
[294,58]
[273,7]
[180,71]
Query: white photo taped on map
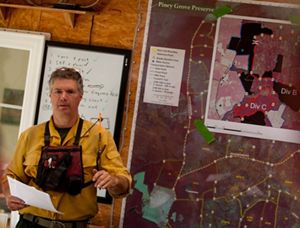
[253,87]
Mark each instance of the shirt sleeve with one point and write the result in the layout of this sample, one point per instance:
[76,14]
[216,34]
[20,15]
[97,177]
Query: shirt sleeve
[111,160]
[15,168]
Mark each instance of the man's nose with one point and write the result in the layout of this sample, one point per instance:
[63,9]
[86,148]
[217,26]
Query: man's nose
[64,94]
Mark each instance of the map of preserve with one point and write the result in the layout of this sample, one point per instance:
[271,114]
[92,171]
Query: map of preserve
[181,180]
[254,78]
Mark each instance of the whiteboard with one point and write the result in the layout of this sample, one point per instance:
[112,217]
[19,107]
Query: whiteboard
[104,72]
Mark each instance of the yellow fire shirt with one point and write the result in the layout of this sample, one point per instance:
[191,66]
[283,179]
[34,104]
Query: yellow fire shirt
[24,164]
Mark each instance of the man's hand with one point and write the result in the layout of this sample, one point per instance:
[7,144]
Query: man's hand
[103,179]
[14,203]
[117,185]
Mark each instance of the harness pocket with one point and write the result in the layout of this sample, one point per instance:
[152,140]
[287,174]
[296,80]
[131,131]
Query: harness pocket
[60,169]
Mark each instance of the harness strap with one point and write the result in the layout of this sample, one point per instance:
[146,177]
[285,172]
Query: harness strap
[77,137]
[47,134]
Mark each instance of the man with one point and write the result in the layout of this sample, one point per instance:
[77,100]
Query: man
[67,157]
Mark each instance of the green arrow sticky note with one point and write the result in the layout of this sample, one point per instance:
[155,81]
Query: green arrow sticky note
[218,12]
[202,129]
[140,186]
[295,19]
[221,11]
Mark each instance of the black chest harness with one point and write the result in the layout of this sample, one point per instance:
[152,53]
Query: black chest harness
[60,167]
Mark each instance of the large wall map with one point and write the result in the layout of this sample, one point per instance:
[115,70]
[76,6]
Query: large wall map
[179,179]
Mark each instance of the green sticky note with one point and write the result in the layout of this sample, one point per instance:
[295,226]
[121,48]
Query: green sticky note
[140,186]
[295,19]
[202,129]
[221,11]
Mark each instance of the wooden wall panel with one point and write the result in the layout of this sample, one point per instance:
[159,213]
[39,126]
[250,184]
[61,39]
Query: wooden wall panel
[23,19]
[115,25]
[54,23]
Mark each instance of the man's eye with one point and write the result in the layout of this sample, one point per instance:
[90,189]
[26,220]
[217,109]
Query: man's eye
[58,91]
[70,92]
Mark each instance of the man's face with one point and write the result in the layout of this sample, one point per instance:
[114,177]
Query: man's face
[65,97]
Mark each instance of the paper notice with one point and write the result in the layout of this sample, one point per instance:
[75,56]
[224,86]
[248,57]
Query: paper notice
[164,76]
[31,195]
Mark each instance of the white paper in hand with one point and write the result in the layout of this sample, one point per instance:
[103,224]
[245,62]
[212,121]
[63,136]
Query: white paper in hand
[31,195]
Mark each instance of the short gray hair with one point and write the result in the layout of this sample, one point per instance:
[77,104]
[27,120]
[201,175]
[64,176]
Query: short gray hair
[67,73]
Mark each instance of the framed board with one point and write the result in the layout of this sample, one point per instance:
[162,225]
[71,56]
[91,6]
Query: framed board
[105,73]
